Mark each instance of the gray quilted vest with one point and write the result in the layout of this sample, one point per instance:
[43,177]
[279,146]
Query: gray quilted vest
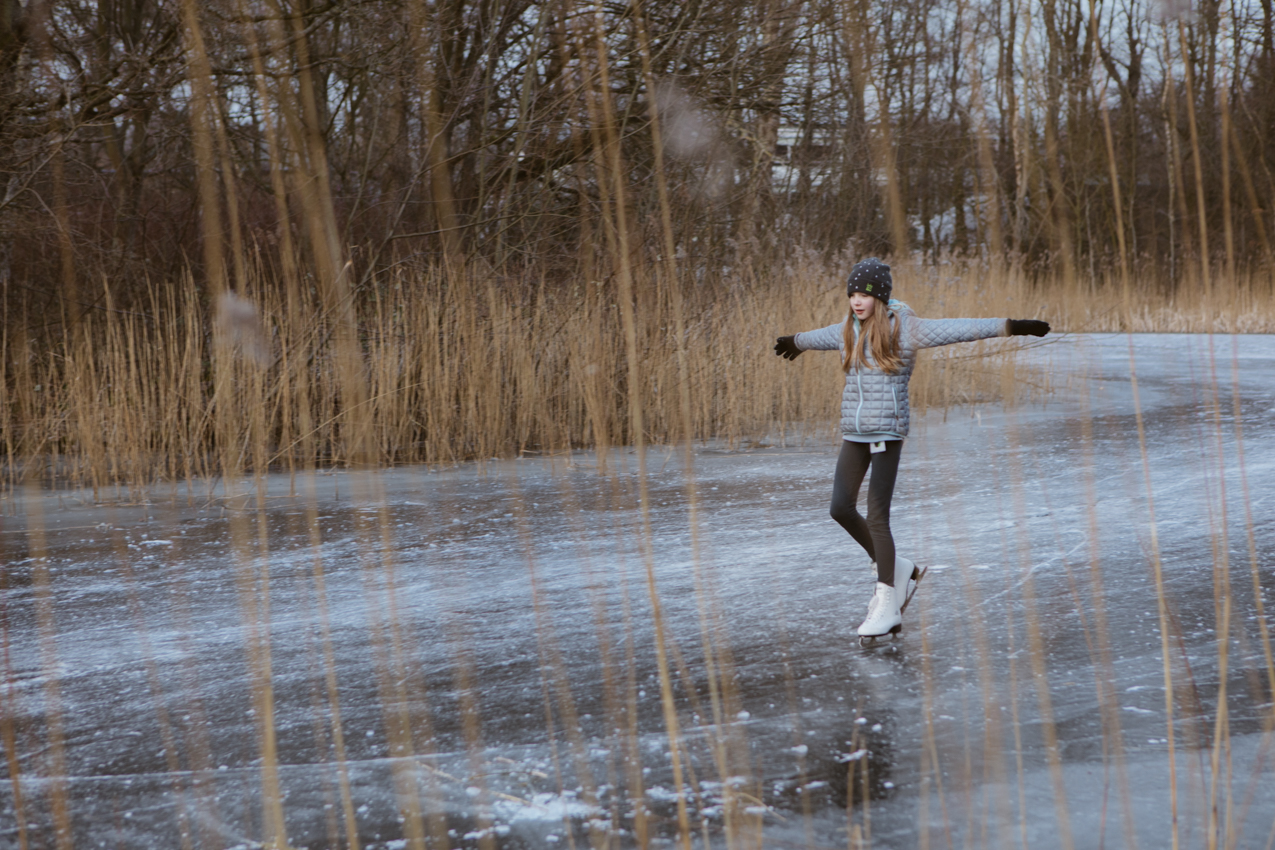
[874,402]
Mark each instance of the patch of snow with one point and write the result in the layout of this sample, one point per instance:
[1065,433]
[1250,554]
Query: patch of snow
[542,807]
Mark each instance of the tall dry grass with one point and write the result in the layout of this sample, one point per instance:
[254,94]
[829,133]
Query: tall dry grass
[464,366]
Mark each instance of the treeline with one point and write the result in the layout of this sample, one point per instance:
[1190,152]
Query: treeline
[140,139]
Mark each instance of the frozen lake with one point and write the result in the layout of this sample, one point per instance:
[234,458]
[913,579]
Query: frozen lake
[467,657]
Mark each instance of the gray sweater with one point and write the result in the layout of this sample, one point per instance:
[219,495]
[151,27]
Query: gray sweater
[874,404]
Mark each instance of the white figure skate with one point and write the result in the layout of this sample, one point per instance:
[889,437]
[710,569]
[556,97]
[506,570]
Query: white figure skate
[904,590]
[884,617]
[901,594]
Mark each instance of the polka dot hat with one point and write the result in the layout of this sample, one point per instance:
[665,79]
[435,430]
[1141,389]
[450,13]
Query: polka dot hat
[871,277]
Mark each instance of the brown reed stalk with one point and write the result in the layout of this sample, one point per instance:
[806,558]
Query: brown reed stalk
[9,710]
[1044,701]
[864,780]
[252,578]
[633,751]
[854,832]
[252,567]
[202,110]
[1228,229]
[1161,598]
[196,726]
[1254,205]
[614,708]
[318,574]
[1105,668]
[292,391]
[1104,664]
[992,712]
[1012,655]
[986,177]
[931,765]
[620,226]
[712,637]
[1197,163]
[466,683]
[154,682]
[555,678]
[787,653]
[885,149]
[993,762]
[1222,611]
[1221,556]
[41,581]
[1249,524]
[1126,282]
[7,426]
[394,671]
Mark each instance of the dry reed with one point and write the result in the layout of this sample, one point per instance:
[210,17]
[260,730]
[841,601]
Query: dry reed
[457,368]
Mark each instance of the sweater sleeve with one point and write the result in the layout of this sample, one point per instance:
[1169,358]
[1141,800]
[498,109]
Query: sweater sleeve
[824,339]
[931,333]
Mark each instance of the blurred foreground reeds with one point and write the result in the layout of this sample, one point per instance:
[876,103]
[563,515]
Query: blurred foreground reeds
[466,365]
[192,379]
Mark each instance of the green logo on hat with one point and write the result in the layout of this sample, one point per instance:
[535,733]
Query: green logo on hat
[868,287]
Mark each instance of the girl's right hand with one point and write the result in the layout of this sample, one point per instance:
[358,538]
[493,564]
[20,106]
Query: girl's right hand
[786,347]
[1028,327]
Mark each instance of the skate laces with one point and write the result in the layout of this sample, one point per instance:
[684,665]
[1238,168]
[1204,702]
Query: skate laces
[885,595]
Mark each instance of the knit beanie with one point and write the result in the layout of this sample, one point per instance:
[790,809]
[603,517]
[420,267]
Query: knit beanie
[871,277]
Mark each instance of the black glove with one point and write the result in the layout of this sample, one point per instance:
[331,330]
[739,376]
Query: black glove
[786,347]
[1028,327]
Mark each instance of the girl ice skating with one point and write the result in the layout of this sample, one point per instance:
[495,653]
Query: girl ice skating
[878,342]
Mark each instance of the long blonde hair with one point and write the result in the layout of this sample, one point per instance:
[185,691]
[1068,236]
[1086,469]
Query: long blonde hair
[879,335]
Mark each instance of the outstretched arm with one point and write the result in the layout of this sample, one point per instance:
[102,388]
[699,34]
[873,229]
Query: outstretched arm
[930,333]
[824,339]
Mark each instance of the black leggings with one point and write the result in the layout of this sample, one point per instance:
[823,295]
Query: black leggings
[873,534]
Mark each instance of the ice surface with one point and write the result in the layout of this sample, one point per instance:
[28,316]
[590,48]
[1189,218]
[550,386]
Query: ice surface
[488,636]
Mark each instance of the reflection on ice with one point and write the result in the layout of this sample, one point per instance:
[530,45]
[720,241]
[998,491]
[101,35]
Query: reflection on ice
[466,656]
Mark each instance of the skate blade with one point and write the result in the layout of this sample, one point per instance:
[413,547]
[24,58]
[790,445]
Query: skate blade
[916,577]
[868,641]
